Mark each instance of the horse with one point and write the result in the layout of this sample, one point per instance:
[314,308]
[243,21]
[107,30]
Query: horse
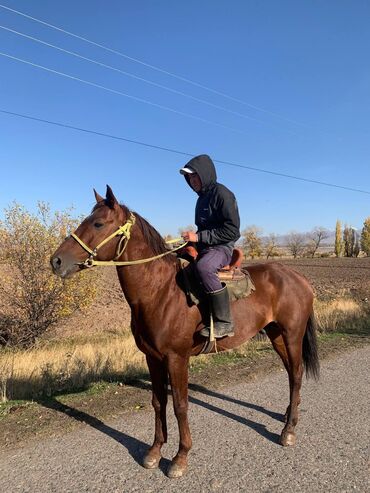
[166,329]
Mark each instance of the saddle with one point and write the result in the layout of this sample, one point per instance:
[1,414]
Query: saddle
[236,278]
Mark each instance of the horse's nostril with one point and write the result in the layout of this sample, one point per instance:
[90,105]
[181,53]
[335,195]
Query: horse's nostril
[56,262]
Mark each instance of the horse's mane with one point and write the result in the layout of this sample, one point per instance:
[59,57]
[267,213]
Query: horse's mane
[151,236]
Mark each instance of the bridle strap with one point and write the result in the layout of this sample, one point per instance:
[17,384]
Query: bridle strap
[84,246]
[125,232]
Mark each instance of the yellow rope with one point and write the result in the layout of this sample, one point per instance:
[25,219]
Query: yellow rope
[125,231]
[93,262]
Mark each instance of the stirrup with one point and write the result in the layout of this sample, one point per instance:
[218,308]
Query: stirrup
[205,332]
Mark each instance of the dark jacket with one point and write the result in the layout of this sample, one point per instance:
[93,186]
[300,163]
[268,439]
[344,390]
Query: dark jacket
[216,211]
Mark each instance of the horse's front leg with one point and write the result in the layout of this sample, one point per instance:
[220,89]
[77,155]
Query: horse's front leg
[178,370]
[159,377]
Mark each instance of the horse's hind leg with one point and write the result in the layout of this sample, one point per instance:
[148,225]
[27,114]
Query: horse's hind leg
[293,338]
[274,333]
[159,377]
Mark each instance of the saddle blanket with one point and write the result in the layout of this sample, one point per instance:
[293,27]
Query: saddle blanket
[238,282]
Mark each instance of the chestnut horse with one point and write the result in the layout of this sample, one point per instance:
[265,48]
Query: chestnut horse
[166,329]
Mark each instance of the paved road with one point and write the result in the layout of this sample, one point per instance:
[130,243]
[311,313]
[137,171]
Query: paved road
[235,434]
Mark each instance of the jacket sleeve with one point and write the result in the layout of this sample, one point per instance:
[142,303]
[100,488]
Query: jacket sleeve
[229,229]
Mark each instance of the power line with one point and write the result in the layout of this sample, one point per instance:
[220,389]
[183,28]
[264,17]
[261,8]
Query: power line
[129,74]
[120,93]
[175,151]
[153,67]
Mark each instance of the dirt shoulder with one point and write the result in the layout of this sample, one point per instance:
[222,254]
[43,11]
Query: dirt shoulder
[22,423]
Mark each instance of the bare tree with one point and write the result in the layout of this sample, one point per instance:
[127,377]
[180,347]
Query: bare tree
[349,240]
[316,237]
[271,246]
[296,243]
[187,228]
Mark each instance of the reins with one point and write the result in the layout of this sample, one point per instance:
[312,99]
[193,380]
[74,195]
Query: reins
[125,232]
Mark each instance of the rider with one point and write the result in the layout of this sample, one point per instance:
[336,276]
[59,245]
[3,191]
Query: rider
[218,223]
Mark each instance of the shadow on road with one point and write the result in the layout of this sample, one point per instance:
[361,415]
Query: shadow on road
[259,428]
[135,447]
[212,393]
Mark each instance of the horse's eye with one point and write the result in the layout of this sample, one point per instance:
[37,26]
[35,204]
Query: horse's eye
[98,225]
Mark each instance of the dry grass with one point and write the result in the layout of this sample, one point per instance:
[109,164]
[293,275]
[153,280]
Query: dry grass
[60,368]
[338,313]
[70,365]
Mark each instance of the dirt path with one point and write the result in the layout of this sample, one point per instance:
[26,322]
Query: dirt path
[235,432]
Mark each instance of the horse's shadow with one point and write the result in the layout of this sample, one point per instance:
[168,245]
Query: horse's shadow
[137,448]
[259,428]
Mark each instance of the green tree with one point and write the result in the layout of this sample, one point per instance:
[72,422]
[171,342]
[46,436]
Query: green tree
[365,237]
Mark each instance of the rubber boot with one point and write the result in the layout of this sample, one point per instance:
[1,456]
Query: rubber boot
[220,309]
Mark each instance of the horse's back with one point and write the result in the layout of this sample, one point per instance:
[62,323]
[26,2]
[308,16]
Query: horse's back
[279,275]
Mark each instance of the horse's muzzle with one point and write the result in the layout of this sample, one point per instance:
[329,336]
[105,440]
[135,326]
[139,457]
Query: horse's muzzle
[63,266]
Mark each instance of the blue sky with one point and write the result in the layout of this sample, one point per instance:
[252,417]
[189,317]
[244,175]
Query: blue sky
[302,68]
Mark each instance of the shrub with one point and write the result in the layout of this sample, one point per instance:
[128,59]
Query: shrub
[33,298]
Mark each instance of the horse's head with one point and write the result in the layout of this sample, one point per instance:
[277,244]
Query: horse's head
[105,219]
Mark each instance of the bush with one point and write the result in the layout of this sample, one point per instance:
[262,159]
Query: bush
[32,297]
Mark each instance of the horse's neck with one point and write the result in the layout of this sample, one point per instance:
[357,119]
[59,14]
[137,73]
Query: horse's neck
[140,282]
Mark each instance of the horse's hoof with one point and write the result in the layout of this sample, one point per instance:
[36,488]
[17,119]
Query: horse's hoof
[151,462]
[176,471]
[287,439]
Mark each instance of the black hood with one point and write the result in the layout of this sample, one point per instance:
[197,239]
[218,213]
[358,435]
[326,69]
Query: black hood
[204,167]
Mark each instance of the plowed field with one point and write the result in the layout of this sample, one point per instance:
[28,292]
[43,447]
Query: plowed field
[330,277]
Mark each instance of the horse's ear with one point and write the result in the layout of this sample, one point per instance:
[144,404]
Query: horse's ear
[98,197]
[110,199]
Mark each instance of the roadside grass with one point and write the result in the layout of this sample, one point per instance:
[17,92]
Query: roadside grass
[90,366]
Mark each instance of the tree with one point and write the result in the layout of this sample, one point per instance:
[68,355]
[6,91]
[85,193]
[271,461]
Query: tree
[296,243]
[271,246]
[356,246]
[187,228]
[338,247]
[349,239]
[252,241]
[33,297]
[365,237]
[315,237]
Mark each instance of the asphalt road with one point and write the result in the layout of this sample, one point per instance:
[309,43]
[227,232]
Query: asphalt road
[235,432]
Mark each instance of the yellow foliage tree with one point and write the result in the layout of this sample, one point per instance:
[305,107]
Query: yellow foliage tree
[252,241]
[365,237]
[338,247]
[32,298]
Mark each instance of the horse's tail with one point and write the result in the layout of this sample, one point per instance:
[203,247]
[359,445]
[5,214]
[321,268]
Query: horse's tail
[310,353]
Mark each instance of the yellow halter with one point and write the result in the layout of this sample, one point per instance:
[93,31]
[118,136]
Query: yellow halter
[125,232]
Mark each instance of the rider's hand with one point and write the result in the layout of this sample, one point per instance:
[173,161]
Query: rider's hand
[190,236]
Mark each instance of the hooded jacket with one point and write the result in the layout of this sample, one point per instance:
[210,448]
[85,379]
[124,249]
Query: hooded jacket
[216,211]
